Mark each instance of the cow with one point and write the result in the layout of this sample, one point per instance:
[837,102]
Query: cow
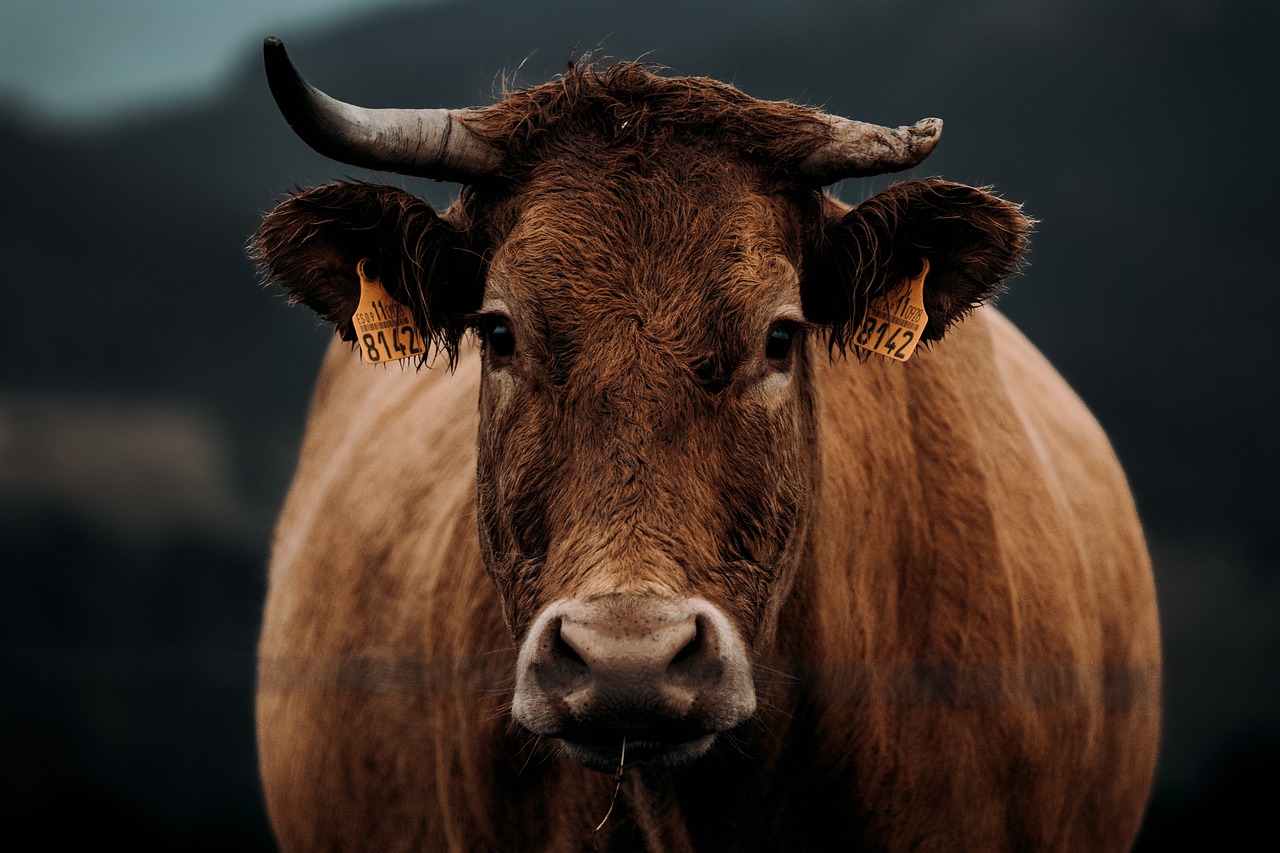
[676,540]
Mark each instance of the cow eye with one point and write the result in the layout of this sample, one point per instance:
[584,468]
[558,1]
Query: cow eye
[495,331]
[781,339]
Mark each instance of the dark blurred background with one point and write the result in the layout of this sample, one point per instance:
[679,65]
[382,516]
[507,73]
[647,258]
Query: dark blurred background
[152,394]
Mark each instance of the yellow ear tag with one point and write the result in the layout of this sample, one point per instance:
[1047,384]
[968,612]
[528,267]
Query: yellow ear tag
[384,327]
[894,323]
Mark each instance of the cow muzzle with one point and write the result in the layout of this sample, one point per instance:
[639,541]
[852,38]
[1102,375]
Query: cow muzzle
[666,674]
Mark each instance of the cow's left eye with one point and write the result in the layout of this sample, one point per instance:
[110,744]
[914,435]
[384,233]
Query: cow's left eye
[781,339]
[495,330]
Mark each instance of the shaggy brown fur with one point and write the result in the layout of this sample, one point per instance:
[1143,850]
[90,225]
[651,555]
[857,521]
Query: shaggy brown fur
[933,569]
[628,108]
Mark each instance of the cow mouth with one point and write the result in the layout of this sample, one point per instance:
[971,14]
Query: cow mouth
[643,749]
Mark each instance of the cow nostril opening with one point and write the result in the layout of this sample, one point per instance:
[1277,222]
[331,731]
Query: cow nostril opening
[563,650]
[688,650]
[697,663]
[559,667]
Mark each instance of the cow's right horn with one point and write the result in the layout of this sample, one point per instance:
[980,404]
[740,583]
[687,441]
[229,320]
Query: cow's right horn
[857,149]
[421,143]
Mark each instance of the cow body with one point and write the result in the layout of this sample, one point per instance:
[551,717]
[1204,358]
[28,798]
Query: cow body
[907,605]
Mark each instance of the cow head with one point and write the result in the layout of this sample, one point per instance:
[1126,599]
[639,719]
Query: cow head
[651,267]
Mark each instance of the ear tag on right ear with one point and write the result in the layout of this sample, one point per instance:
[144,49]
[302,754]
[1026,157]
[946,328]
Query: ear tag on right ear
[384,327]
[894,323]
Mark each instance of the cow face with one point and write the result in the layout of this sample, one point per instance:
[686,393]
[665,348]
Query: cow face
[645,412]
[649,302]
[644,455]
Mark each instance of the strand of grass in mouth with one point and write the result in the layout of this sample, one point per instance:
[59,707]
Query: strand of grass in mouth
[617,784]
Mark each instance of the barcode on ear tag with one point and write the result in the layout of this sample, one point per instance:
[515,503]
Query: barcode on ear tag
[384,327]
[895,322]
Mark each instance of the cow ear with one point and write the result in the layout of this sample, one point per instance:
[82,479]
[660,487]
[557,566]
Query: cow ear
[312,242]
[971,239]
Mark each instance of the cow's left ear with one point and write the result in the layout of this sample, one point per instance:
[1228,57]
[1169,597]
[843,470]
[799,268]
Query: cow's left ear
[972,240]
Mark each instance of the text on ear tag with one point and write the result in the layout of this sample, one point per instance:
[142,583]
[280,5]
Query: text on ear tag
[384,327]
[895,322]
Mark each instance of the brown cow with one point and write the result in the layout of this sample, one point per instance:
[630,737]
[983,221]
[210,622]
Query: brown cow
[783,599]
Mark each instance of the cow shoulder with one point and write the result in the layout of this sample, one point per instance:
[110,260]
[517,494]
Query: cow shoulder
[983,592]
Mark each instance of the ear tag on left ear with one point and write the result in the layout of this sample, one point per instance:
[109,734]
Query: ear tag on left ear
[894,323]
[384,327]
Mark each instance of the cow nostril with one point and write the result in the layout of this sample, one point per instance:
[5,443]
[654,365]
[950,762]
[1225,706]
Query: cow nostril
[698,665]
[689,649]
[564,651]
[560,667]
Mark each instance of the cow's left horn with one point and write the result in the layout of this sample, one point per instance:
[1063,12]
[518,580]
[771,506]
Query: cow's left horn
[857,149]
[422,143]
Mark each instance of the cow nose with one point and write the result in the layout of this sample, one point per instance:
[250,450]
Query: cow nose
[666,674]
[630,664]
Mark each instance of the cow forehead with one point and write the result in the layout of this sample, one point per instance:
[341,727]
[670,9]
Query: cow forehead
[667,308]
[649,243]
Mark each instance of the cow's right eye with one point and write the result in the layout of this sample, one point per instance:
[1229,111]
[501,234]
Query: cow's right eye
[497,335]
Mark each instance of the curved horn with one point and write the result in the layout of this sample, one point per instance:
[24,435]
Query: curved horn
[422,143]
[858,149]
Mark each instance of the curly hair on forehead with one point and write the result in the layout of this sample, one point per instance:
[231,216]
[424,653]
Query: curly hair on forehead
[630,104]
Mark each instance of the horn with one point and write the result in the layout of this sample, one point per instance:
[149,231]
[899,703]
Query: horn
[421,143]
[857,149]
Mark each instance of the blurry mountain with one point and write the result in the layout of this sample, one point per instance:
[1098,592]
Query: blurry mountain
[152,393]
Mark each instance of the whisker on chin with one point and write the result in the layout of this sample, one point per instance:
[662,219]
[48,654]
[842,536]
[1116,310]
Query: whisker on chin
[617,784]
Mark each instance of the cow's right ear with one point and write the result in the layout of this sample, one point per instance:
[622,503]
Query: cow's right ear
[313,241]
